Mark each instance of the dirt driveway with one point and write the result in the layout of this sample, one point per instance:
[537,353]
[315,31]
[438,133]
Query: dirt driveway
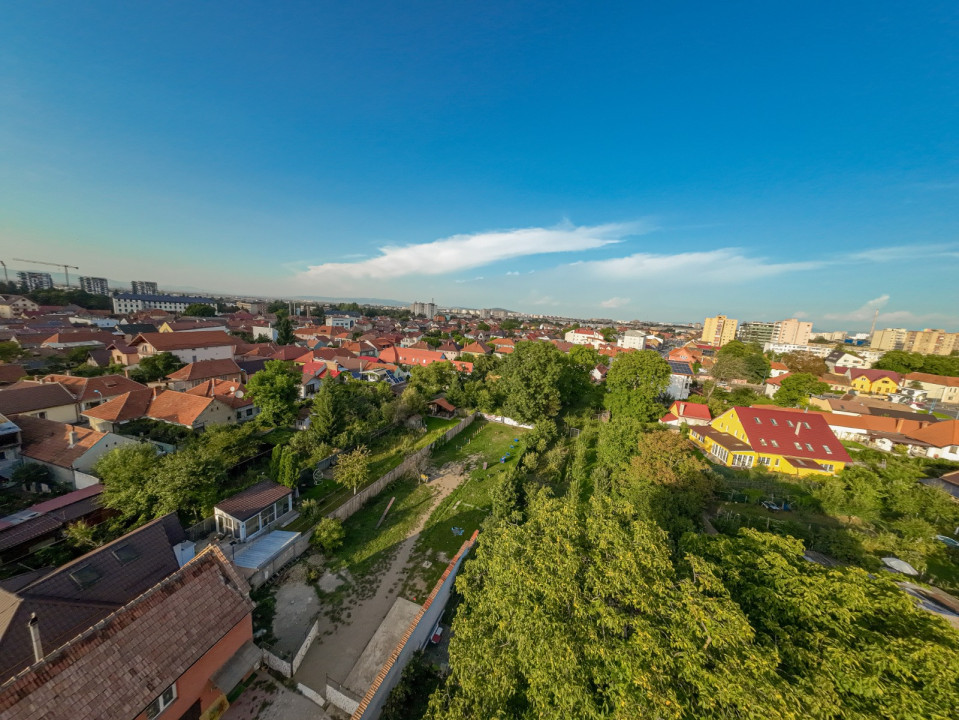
[339,646]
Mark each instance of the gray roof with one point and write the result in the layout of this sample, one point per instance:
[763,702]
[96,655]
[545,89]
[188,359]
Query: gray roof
[165,298]
[79,594]
[24,397]
[248,503]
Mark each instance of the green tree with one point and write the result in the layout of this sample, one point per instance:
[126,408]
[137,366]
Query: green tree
[82,535]
[900,361]
[31,475]
[9,351]
[530,381]
[156,367]
[199,310]
[599,604]
[805,362]
[127,474]
[328,535]
[188,482]
[284,331]
[730,367]
[275,390]
[794,390]
[352,468]
[634,384]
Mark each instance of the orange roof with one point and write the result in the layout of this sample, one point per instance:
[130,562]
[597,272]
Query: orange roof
[105,386]
[129,406]
[183,340]
[938,434]
[204,369]
[177,407]
[50,442]
[226,391]
[933,379]
[695,411]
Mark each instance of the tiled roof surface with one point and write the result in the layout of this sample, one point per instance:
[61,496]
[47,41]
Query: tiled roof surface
[50,442]
[933,379]
[129,406]
[249,502]
[229,392]
[873,375]
[205,369]
[30,397]
[938,434]
[786,429]
[105,386]
[177,407]
[65,607]
[11,373]
[139,650]
[184,340]
[697,411]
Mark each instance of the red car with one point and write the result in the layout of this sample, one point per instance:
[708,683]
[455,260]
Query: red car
[437,634]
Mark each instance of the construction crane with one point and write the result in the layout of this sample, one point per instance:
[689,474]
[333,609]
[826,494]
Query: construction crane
[6,277]
[65,267]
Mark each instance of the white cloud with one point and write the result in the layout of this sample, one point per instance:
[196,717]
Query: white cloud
[722,265]
[800,314]
[461,252]
[614,302]
[866,312]
[512,272]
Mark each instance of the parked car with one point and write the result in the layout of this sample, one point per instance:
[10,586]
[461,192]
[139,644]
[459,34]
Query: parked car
[437,634]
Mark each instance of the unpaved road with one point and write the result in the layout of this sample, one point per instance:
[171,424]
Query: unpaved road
[338,647]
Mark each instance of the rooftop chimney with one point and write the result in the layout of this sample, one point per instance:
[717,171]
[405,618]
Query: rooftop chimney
[33,625]
[73,438]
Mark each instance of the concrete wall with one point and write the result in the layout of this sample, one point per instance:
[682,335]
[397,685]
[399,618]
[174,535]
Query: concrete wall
[416,637]
[290,553]
[503,420]
[411,462]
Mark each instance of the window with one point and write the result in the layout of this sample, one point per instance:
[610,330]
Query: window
[827,449]
[125,553]
[762,441]
[742,460]
[809,447]
[775,444]
[789,423]
[776,462]
[162,702]
[85,576]
[758,421]
[798,446]
[42,415]
[806,425]
[773,421]
[249,412]
[827,467]
[763,460]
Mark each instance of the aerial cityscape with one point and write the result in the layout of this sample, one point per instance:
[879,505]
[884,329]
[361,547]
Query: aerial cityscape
[449,361]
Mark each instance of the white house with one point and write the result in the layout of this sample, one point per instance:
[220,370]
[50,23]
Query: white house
[189,347]
[631,339]
[585,336]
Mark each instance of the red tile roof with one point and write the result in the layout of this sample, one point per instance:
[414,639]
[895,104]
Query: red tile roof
[55,443]
[940,434]
[140,649]
[803,435]
[205,369]
[933,379]
[129,406]
[95,388]
[249,502]
[228,392]
[695,411]
[873,375]
[164,342]
[30,396]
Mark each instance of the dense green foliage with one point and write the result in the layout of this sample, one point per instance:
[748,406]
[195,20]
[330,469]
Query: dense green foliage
[634,385]
[742,361]
[275,390]
[80,298]
[794,390]
[907,362]
[155,367]
[347,413]
[805,362]
[199,310]
[141,486]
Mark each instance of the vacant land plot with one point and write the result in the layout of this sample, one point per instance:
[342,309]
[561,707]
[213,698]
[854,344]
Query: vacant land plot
[386,453]
[468,505]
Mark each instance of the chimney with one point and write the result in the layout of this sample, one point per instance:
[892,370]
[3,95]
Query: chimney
[73,438]
[33,625]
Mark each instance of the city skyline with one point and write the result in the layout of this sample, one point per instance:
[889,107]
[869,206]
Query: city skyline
[621,162]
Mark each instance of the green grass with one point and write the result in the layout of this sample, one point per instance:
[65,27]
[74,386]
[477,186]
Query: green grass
[386,453]
[467,506]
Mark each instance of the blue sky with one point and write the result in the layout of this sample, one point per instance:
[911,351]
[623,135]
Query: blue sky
[634,160]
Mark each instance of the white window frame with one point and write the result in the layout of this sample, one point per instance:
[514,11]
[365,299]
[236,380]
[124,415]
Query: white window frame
[162,702]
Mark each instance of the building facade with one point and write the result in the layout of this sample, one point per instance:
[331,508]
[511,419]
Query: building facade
[719,330]
[793,331]
[633,340]
[95,285]
[35,280]
[423,308]
[144,287]
[126,303]
[888,339]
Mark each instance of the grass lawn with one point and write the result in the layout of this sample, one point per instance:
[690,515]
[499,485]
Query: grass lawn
[467,506]
[386,453]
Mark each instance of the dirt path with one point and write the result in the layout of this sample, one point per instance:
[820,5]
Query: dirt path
[339,646]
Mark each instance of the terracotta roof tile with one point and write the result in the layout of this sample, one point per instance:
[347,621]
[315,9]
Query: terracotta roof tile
[205,369]
[25,397]
[51,442]
[164,342]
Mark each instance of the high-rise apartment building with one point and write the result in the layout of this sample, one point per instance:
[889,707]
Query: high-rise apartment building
[889,339]
[931,342]
[95,285]
[35,280]
[760,332]
[144,287]
[719,330]
[421,308]
[792,332]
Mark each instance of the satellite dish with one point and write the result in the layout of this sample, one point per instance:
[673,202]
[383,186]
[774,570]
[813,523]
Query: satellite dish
[238,394]
[232,388]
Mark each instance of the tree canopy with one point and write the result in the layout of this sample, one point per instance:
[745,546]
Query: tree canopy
[634,384]
[275,390]
[794,390]
[199,310]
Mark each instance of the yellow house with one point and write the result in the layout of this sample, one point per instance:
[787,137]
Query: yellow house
[779,440]
[874,382]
